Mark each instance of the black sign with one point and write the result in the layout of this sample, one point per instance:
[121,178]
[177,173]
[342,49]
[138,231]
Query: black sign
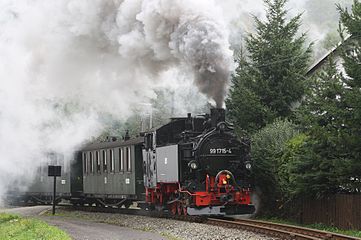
[54,171]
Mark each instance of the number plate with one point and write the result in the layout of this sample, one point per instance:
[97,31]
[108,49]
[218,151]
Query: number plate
[220,151]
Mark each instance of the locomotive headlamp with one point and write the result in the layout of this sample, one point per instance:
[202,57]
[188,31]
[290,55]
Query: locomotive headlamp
[193,165]
[248,165]
[224,182]
[228,176]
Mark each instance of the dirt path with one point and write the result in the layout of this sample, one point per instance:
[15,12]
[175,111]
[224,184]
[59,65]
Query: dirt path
[87,230]
[26,211]
[83,229]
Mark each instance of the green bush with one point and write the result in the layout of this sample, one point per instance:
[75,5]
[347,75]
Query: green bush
[268,147]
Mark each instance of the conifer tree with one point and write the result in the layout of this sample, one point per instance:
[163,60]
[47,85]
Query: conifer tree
[318,164]
[330,159]
[270,79]
[351,21]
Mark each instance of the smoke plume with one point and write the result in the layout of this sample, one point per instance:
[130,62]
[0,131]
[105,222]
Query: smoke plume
[184,33]
[64,64]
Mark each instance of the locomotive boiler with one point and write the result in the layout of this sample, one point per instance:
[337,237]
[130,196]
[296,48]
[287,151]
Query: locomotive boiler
[197,166]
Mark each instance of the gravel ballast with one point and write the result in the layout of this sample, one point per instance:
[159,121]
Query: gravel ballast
[169,228]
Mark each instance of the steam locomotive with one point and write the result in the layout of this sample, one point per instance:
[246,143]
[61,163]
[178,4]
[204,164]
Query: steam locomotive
[197,166]
[190,166]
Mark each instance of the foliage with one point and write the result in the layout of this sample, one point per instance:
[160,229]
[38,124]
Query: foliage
[268,145]
[290,157]
[329,159]
[351,55]
[351,20]
[269,80]
[15,227]
[245,107]
[314,172]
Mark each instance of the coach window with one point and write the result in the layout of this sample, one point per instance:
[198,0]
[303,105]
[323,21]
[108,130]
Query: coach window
[121,160]
[111,160]
[97,160]
[105,162]
[85,165]
[91,161]
[128,159]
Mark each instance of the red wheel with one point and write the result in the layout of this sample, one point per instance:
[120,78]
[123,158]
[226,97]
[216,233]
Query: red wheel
[185,210]
[179,208]
[173,208]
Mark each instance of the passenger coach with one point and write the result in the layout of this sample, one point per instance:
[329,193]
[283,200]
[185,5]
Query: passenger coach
[112,172]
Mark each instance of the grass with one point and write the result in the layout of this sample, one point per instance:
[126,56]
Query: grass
[13,227]
[169,236]
[319,226]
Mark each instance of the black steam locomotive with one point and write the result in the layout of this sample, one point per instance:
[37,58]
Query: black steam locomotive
[191,166]
[196,165]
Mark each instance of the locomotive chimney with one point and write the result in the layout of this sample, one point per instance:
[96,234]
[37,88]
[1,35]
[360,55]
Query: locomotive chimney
[188,124]
[217,115]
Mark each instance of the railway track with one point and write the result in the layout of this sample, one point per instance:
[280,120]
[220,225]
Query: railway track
[135,211]
[282,231]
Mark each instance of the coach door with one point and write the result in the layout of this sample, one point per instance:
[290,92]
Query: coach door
[149,162]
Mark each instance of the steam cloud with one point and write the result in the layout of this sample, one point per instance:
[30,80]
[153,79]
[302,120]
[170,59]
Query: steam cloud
[64,63]
[184,33]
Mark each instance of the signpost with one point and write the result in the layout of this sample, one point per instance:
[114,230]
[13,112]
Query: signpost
[54,171]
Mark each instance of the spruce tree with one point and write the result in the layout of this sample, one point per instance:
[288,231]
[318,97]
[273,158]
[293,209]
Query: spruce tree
[351,55]
[270,79]
[330,159]
[318,166]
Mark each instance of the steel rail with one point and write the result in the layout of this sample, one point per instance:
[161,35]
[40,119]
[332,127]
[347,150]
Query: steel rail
[283,231]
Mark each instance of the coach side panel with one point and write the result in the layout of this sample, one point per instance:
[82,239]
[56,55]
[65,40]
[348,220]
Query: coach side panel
[111,171]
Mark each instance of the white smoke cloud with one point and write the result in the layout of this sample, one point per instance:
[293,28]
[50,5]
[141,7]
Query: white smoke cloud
[64,63]
[188,34]
[319,18]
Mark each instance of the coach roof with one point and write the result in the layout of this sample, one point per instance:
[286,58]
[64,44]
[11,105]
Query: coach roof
[113,144]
